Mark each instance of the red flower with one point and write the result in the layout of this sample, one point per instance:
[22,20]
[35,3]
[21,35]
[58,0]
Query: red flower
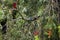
[36,33]
[14,5]
[49,33]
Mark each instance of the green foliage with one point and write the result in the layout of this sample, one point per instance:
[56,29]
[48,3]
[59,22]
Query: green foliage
[0,36]
[20,29]
[1,15]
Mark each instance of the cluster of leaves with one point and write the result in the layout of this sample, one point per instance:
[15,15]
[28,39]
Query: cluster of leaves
[21,29]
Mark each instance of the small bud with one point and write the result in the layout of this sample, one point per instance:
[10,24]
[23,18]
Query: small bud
[36,33]
[14,5]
